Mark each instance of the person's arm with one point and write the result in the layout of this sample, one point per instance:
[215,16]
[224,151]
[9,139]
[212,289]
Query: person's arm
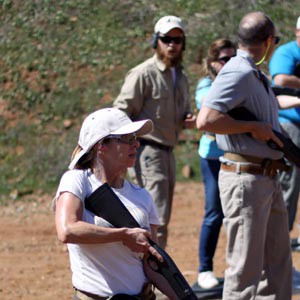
[131,96]
[215,121]
[285,80]
[189,119]
[71,229]
[286,102]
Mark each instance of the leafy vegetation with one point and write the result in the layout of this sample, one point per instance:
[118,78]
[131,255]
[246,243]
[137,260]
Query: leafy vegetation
[63,59]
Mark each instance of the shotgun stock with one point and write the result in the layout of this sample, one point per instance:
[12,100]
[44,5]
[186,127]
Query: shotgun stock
[104,203]
[290,150]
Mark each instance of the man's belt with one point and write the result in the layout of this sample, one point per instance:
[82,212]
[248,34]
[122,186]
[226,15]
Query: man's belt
[256,165]
[145,142]
[250,169]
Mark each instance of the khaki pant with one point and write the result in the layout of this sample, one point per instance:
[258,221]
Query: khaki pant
[155,170]
[258,249]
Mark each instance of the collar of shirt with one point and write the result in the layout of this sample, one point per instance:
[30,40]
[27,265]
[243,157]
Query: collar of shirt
[247,56]
[264,79]
[259,74]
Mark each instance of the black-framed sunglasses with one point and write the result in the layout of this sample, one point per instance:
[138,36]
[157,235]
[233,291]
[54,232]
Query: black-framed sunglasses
[128,139]
[166,39]
[224,59]
[276,39]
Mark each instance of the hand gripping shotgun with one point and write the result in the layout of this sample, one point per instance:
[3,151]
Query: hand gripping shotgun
[289,149]
[104,203]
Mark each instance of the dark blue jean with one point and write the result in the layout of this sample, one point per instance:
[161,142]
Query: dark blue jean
[213,216]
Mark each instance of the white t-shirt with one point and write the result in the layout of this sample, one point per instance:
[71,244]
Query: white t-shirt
[110,268]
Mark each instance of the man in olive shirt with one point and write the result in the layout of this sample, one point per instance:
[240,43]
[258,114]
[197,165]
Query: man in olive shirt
[157,89]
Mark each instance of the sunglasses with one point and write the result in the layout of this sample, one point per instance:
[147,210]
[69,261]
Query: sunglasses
[276,39]
[224,59]
[128,139]
[166,39]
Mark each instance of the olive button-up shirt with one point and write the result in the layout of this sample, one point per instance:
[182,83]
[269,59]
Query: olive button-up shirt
[150,92]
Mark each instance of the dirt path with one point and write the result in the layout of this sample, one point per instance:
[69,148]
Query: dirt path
[35,266]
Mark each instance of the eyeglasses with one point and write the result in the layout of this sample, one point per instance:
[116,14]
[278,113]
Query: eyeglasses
[128,139]
[224,59]
[166,39]
[276,39]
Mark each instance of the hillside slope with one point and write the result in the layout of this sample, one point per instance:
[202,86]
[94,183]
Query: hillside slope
[62,59]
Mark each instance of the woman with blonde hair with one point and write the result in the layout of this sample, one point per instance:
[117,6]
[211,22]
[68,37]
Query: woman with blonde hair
[106,261]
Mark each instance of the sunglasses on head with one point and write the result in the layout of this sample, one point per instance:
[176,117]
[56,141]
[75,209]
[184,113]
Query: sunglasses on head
[128,139]
[166,39]
[224,59]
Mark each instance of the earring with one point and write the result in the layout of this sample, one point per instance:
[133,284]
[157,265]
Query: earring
[99,150]
[213,67]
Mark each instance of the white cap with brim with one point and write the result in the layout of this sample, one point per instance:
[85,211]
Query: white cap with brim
[298,23]
[167,23]
[103,123]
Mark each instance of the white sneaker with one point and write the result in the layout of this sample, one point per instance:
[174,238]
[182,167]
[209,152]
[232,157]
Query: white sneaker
[207,280]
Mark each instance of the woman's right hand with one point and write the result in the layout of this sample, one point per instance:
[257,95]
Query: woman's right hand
[137,240]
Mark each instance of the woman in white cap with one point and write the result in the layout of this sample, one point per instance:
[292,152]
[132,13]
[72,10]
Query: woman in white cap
[105,261]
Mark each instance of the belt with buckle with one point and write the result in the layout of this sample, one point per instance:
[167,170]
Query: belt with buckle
[145,142]
[256,165]
[243,158]
[250,169]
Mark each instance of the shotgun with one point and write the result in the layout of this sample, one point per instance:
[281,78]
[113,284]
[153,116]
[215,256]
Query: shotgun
[104,203]
[282,90]
[290,150]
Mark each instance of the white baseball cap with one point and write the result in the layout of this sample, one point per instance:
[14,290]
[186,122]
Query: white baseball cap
[167,23]
[103,123]
[298,23]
